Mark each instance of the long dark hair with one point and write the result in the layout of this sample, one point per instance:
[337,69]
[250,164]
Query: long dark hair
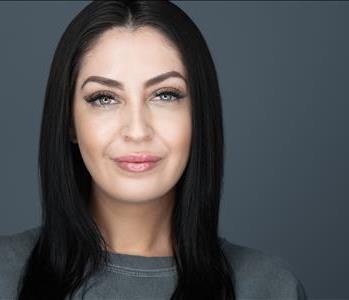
[70,247]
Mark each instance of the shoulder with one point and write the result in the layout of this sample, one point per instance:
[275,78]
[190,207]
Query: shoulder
[259,275]
[14,251]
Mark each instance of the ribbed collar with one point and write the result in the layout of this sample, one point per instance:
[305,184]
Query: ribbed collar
[137,262]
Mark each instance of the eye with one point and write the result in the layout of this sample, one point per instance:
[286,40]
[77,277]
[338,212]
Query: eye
[101,99]
[170,95]
[104,98]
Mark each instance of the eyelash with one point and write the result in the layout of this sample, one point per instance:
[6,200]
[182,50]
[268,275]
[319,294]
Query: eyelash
[92,99]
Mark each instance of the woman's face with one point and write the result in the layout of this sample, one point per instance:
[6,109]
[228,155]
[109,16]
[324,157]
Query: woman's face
[131,118]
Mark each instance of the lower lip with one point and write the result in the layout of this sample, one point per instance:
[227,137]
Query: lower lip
[137,167]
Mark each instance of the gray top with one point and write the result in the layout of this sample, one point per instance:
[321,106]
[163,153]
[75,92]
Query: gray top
[132,277]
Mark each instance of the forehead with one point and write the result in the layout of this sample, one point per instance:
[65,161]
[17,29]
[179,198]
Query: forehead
[122,53]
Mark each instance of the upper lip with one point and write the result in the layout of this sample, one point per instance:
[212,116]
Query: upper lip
[138,157]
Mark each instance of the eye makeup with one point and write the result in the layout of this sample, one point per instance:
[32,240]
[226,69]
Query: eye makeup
[97,98]
[174,93]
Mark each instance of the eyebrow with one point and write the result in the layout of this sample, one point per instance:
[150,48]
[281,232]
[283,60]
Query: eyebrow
[114,83]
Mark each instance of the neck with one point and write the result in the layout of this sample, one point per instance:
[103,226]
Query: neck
[134,228]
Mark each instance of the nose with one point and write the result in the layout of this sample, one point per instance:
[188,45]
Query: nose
[136,127]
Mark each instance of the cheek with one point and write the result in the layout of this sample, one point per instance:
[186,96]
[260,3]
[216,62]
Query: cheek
[92,140]
[178,139]
[175,129]
[89,134]
[92,129]
[175,132]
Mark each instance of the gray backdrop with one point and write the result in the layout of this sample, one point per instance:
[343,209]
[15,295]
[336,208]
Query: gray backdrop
[283,71]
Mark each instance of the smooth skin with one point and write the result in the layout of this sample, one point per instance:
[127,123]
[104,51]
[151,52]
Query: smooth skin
[133,210]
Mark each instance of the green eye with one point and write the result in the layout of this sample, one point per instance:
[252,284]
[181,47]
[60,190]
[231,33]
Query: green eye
[171,96]
[100,99]
[105,99]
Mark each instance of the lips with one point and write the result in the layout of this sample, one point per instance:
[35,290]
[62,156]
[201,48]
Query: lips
[137,158]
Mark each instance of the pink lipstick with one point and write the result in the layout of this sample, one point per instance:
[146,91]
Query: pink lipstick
[137,162]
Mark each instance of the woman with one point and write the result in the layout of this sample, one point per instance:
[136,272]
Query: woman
[131,165]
